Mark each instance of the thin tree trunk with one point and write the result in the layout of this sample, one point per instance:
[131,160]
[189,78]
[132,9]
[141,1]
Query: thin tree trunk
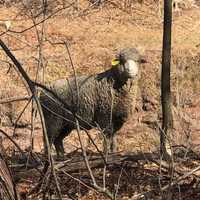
[167,122]
[7,186]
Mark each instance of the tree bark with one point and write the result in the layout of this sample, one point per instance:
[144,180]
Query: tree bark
[167,122]
[7,186]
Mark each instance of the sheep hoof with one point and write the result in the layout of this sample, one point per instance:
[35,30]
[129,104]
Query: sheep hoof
[60,157]
[113,150]
[113,145]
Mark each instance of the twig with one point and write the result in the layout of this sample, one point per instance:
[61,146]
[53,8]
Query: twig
[31,86]
[75,76]
[118,183]
[50,158]
[148,194]
[84,154]
[38,23]
[13,99]
[19,67]
[18,118]
[76,179]
[4,133]
[98,188]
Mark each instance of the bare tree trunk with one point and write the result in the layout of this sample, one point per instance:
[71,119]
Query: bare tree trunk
[167,122]
[7,187]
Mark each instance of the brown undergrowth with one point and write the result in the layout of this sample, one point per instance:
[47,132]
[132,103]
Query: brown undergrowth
[94,35]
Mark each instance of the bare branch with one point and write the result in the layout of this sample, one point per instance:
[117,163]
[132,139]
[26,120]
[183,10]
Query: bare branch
[40,22]
[13,99]
[4,133]
[31,85]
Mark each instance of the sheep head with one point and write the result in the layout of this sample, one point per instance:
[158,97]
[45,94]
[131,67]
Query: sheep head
[126,63]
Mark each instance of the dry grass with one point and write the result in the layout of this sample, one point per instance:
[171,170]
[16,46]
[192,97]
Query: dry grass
[94,36]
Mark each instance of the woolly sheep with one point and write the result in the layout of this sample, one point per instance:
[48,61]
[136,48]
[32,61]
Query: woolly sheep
[106,100]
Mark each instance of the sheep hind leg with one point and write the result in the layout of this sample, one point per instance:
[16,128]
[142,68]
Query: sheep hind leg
[58,143]
[109,144]
[49,136]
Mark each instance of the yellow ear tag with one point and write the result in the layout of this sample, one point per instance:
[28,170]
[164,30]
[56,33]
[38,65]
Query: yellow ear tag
[115,62]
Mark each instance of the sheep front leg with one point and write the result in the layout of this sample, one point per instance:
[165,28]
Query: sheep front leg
[110,144]
[113,143]
[58,143]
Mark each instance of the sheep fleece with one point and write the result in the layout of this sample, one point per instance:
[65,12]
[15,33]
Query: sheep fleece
[99,103]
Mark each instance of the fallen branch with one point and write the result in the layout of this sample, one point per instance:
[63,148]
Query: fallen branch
[96,161]
[112,159]
[13,99]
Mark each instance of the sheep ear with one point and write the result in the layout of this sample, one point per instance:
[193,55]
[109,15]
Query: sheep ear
[115,62]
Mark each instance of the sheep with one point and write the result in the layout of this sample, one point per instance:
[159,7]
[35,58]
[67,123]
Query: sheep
[103,100]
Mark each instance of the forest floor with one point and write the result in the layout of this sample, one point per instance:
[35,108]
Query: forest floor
[94,35]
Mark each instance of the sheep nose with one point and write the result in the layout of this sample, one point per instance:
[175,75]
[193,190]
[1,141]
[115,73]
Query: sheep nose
[131,68]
